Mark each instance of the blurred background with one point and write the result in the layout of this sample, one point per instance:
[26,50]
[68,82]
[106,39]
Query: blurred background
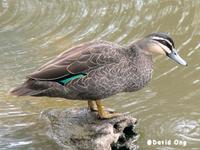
[35,31]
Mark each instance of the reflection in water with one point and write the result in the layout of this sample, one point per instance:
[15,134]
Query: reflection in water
[32,32]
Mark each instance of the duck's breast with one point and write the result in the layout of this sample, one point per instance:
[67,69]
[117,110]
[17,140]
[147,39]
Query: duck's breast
[139,73]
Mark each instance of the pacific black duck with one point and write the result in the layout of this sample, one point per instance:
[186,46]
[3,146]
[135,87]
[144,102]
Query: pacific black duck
[98,69]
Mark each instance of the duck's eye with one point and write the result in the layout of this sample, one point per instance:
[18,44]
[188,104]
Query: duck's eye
[174,52]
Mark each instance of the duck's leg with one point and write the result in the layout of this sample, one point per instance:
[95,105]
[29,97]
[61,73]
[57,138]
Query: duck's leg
[104,114]
[92,106]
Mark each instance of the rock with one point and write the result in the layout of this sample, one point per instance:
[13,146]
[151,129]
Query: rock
[80,129]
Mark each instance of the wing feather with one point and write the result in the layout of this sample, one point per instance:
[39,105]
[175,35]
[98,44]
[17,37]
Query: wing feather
[79,59]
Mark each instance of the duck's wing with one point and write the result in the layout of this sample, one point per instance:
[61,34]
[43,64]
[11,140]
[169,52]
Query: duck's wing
[79,59]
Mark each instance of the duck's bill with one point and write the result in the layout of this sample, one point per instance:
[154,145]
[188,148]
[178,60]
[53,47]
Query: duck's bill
[174,55]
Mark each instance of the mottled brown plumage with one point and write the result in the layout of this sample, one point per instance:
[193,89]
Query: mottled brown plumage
[109,69]
[96,70]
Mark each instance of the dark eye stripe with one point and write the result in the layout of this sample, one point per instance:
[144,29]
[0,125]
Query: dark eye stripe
[165,43]
[171,42]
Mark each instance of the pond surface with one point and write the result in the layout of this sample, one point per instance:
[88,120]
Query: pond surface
[33,32]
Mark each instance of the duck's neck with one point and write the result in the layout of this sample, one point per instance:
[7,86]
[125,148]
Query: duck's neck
[141,59]
[140,47]
[140,55]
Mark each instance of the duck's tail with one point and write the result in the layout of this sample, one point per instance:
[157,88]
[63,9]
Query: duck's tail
[30,87]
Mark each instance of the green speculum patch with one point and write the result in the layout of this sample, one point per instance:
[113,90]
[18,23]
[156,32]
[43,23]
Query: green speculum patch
[70,77]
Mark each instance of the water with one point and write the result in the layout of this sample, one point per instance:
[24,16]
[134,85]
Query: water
[33,32]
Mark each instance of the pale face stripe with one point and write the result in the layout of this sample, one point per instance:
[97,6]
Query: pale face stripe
[159,38]
[165,48]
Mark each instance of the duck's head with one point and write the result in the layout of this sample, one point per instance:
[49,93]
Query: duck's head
[163,44]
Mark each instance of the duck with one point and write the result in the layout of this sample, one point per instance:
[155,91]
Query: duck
[95,70]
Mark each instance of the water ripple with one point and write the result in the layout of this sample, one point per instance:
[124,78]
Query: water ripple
[32,32]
